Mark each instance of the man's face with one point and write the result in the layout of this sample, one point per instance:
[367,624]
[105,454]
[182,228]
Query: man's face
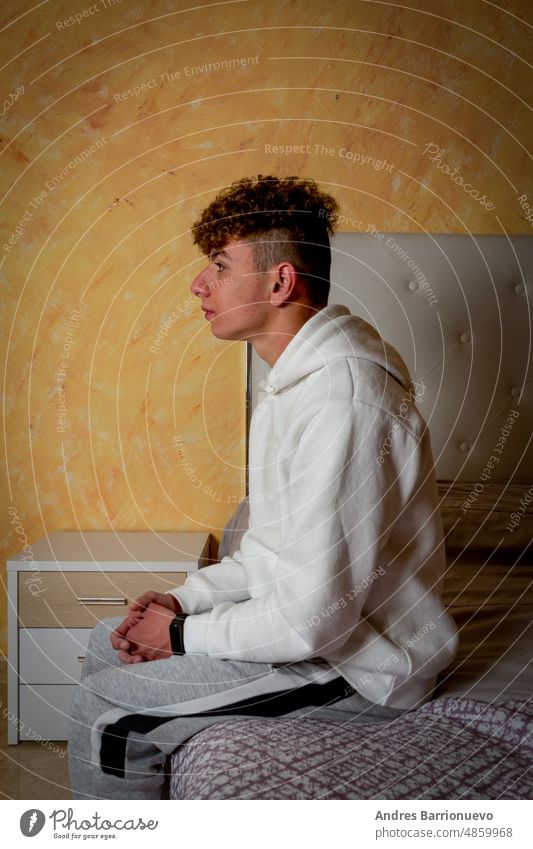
[236,298]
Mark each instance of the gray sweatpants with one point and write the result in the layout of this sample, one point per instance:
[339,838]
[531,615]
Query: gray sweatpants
[127,718]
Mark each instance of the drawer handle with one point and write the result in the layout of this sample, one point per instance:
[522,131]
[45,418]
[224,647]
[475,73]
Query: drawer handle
[91,600]
[81,658]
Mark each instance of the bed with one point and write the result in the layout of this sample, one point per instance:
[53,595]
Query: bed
[447,749]
[458,308]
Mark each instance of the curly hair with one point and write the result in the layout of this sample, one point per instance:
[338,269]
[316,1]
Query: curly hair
[287,219]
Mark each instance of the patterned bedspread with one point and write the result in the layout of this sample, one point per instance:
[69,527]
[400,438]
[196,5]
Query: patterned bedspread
[447,749]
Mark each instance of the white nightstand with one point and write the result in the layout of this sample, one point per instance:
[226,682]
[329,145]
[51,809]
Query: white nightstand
[54,600]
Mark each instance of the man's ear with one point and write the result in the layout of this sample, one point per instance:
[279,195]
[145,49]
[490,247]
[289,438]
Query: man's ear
[285,279]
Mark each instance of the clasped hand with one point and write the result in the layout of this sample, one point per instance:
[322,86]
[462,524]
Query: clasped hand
[144,633]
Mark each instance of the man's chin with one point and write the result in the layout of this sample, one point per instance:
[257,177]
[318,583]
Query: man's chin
[228,333]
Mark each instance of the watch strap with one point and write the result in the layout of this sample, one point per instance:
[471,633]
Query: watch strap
[176,634]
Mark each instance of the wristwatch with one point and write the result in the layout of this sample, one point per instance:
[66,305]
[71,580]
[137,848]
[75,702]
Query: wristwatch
[176,633]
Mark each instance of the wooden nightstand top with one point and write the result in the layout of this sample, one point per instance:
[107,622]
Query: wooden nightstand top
[97,551]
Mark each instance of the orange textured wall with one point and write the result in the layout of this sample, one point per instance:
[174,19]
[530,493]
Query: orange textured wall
[119,122]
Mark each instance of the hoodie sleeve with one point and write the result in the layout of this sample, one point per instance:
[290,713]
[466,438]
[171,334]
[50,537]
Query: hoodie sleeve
[211,585]
[343,505]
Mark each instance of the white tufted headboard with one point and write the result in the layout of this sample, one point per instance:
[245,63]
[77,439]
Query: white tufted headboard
[458,309]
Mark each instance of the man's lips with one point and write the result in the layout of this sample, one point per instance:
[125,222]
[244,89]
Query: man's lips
[208,313]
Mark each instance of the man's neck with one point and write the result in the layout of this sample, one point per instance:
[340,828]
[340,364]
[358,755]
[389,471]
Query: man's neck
[270,345]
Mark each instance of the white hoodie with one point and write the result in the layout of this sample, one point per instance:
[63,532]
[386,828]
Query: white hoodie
[343,560]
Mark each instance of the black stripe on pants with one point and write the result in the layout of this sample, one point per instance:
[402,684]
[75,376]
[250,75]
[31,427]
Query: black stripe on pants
[115,735]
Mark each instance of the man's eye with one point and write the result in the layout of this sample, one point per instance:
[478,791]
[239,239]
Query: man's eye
[219,266]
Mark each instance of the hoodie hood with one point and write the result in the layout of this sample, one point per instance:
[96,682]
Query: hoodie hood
[333,333]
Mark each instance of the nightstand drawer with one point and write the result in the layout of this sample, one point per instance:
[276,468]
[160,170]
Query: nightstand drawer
[45,711]
[52,655]
[81,599]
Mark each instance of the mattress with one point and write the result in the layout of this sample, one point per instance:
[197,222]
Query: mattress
[447,749]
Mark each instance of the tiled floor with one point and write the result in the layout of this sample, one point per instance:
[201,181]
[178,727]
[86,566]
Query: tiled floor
[30,770]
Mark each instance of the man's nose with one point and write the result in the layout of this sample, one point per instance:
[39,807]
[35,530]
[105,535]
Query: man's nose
[200,284]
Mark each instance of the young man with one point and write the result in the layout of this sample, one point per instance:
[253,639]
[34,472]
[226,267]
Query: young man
[331,607]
